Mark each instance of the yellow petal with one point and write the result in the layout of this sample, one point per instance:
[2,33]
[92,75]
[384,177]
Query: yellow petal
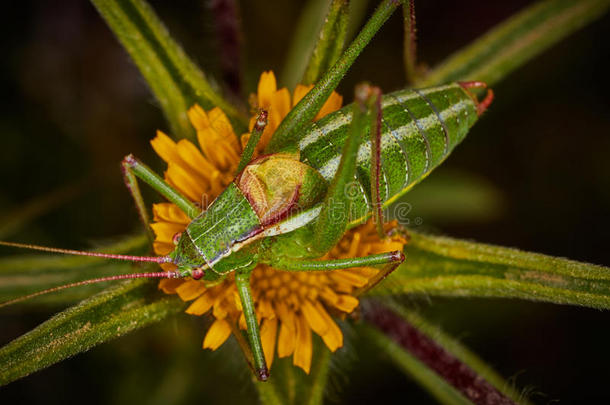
[303,348]
[299,92]
[198,117]
[331,105]
[165,147]
[347,303]
[168,285]
[219,332]
[280,105]
[350,277]
[333,338]
[184,182]
[162,249]
[193,158]
[201,305]
[267,86]
[169,212]
[314,318]
[286,340]
[165,231]
[190,289]
[268,339]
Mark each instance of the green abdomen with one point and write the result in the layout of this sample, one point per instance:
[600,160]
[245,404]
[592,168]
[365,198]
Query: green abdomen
[419,129]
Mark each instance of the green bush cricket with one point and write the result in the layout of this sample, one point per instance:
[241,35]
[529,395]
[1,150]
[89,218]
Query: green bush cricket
[288,208]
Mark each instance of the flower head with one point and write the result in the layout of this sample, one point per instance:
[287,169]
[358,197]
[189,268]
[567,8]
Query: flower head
[288,305]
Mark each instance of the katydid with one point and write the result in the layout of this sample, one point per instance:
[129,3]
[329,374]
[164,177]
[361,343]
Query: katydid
[289,208]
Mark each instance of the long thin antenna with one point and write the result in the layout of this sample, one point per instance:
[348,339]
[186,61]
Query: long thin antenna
[160,274]
[153,259]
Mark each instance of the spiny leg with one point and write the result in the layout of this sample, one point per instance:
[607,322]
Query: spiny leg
[132,166]
[396,257]
[334,216]
[131,182]
[242,280]
[374,104]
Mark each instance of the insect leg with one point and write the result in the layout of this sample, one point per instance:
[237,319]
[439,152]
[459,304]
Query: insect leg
[374,103]
[255,136]
[334,216]
[131,182]
[242,280]
[395,257]
[133,166]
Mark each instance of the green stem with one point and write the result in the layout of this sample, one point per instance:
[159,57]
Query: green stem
[319,377]
[307,108]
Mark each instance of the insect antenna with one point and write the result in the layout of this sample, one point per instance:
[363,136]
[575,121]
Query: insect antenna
[150,259]
[159,274]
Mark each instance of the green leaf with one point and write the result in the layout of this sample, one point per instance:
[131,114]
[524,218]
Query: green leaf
[306,109]
[512,43]
[444,266]
[22,275]
[173,77]
[330,42]
[110,314]
[309,24]
[457,350]
[410,365]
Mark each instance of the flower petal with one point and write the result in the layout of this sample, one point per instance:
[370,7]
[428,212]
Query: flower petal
[268,339]
[331,105]
[267,86]
[314,318]
[165,147]
[190,289]
[333,338]
[201,305]
[303,348]
[218,333]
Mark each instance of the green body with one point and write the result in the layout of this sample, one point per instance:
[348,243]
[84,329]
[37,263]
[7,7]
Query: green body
[419,128]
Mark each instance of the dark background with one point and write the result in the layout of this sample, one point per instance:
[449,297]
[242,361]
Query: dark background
[73,105]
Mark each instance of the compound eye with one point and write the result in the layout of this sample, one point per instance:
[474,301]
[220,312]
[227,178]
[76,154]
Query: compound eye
[197,274]
[176,238]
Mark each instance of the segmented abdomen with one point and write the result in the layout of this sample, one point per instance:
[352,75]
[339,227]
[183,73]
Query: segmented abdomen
[419,129]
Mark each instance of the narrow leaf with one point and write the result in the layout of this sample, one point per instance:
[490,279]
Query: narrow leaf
[515,41]
[442,353]
[304,39]
[173,77]
[309,105]
[330,42]
[410,365]
[438,265]
[110,314]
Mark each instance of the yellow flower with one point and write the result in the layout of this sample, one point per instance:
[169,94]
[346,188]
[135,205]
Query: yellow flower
[289,305]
